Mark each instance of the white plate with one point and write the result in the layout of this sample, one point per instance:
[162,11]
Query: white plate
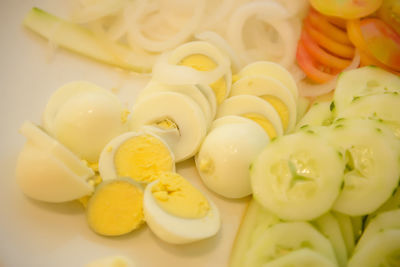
[41,234]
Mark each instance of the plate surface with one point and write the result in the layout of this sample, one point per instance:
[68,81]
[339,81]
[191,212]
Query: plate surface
[39,234]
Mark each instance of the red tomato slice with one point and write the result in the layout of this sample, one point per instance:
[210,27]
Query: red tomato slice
[347,9]
[321,23]
[316,72]
[338,49]
[321,55]
[389,12]
[382,41]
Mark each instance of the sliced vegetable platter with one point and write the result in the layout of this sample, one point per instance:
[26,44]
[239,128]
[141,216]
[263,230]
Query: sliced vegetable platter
[295,157]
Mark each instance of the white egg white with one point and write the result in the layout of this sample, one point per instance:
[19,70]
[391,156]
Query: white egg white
[48,171]
[226,154]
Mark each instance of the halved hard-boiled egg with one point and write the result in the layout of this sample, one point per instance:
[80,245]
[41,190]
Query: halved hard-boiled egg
[194,92]
[196,62]
[177,212]
[47,171]
[273,91]
[254,108]
[226,154]
[84,117]
[116,207]
[174,117]
[140,156]
[273,70]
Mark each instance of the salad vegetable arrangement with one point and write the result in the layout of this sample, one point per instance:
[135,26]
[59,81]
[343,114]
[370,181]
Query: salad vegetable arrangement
[294,103]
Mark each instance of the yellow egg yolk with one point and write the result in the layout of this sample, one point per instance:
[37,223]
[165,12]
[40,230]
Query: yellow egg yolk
[178,197]
[263,122]
[280,107]
[203,63]
[116,208]
[167,124]
[141,157]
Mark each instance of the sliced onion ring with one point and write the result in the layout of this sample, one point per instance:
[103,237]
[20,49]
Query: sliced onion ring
[137,35]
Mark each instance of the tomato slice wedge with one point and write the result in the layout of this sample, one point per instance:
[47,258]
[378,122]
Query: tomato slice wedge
[347,9]
[321,23]
[341,50]
[382,41]
[389,12]
[321,55]
[316,72]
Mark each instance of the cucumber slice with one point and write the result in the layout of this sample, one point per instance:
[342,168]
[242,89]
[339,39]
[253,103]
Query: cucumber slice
[283,238]
[372,165]
[301,258]
[255,221]
[318,115]
[329,227]
[361,82]
[298,176]
[383,107]
[80,40]
[357,224]
[346,229]
[383,249]
[384,221]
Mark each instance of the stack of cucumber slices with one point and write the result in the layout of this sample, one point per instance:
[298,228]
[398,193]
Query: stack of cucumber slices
[327,194]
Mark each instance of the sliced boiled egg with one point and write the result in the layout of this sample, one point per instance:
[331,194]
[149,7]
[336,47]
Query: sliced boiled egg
[47,171]
[273,70]
[191,91]
[177,212]
[273,91]
[116,207]
[254,108]
[226,154]
[84,117]
[139,156]
[200,62]
[175,117]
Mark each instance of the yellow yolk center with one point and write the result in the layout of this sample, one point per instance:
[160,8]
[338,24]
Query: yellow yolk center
[167,124]
[263,122]
[203,63]
[116,208]
[280,107]
[142,157]
[178,197]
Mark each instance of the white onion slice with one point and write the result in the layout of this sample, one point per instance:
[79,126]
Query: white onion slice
[219,13]
[268,10]
[217,40]
[135,31]
[167,71]
[311,90]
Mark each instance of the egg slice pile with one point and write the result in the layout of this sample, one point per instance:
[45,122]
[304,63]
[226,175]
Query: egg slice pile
[262,105]
[121,164]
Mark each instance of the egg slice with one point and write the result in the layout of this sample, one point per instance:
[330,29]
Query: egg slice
[177,212]
[139,156]
[226,154]
[191,91]
[273,91]
[209,94]
[84,117]
[175,115]
[48,171]
[273,70]
[254,108]
[201,62]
